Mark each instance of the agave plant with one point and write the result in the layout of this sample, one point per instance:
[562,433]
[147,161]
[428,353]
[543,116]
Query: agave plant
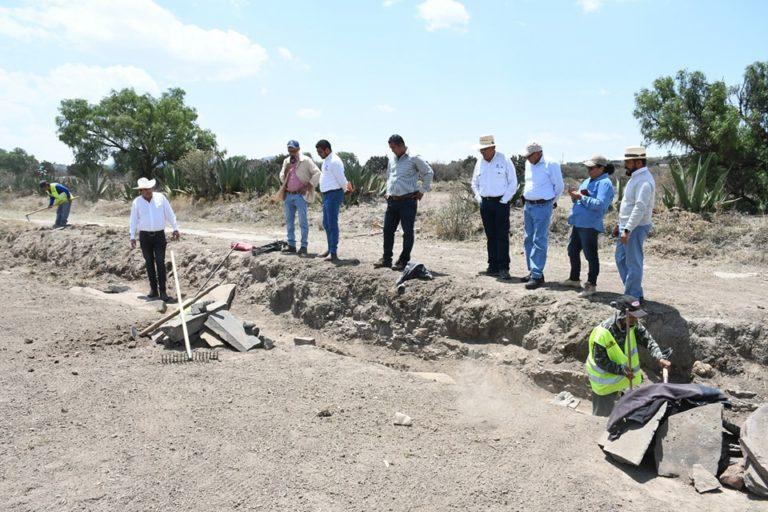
[366,183]
[691,192]
[174,182]
[231,174]
[92,182]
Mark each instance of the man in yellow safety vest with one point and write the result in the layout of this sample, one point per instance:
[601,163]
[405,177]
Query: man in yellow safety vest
[60,197]
[613,361]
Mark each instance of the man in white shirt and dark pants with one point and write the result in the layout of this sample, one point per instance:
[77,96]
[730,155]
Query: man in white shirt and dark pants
[333,185]
[150,212]
[494,183]
[634,221]
[543,187]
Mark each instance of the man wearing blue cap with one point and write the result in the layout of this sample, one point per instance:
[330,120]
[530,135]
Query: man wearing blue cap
[299,177]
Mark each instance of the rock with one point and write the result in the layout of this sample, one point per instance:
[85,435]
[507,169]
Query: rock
[266,343]
[222,293]
[690,437]
[754,441]
[210,338]
[27,340]
[442,378]
[742,406]
[704,370]
[754,482]
[402,420]
[703,481]
[131,344]
[116,288]
[324,413]
[300,340]
[75,372]
[630,448]
[565,399]
[231,331]
[174,330]
[250,328]
[215,306]
[161,306]
[159,338]
[740,393]
[198,308]
[733,476]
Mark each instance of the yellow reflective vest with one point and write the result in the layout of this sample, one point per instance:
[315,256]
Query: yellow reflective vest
[58,197]
[603,382]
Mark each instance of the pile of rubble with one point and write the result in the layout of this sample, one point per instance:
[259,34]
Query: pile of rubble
[701,446]
[210,322]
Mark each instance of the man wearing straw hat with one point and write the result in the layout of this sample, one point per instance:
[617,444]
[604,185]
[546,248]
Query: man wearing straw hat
[150,212]
[634,221]
[494,183]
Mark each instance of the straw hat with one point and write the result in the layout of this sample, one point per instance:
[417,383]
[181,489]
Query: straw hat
[486,141]
[144,184]
[634,153]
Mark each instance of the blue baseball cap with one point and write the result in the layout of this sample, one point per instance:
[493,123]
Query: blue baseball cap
[293,144]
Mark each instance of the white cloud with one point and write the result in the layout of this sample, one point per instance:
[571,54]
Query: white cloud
[390,3]
[29,102]
[288,56]
[285,53]
[309,113]
[589,5]
[441,14]
[138,31]
[384,108]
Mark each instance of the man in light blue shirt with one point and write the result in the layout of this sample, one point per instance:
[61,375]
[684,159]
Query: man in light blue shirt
[409,177]
[543,187]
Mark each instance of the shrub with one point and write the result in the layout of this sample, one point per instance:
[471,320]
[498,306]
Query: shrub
[457,219]
[92,182]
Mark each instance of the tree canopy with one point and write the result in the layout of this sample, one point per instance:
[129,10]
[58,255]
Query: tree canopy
[141,133]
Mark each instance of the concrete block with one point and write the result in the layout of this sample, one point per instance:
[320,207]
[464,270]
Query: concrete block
[210,338]
[630,448]
[754,441]
[688,438]
[215,306]
[231,331]
[222,293]
[301,340]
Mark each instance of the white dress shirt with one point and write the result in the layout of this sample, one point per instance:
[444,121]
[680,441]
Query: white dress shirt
[543,181]
[637,202]
[332,174]
[151,215]
[496,178]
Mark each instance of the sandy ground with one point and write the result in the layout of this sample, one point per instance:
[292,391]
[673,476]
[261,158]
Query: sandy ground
[91,424]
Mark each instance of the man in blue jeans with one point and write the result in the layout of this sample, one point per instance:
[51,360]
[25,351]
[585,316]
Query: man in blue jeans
[298,176]
[543,186]
[409,177]
[634,221]
[333,186]
[59,196]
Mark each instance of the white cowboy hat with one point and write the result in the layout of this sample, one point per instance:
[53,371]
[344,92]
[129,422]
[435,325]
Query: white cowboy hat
[144,183]
[634,153]
[486,141]
[531,148]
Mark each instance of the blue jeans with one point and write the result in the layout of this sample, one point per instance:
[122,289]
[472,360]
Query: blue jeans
[536,219]
[62,214]
[629,260]
[294,203]
[331,203]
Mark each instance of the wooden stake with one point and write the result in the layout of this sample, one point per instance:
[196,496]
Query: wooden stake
[181,306]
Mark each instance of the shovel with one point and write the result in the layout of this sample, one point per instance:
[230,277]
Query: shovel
[42,209]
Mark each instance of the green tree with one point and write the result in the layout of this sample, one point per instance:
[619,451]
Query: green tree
[690,113]
[377,165]
[141,133]
[19,170]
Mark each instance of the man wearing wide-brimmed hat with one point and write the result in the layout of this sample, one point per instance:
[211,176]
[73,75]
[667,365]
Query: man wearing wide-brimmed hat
[150,212]
[494,183]
[634,220]
[543,187]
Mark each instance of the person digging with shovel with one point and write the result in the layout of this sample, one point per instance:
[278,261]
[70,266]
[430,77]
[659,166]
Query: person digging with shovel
[61,198]
[150,212]
[613,363]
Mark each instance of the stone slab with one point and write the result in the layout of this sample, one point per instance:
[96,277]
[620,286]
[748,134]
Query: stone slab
[222,293]
[301,340]
[231,331]
[218,305]
[175,332]
[754,440]
[754,482]
[690,437]
[630,448]
[703,481]
[210,338]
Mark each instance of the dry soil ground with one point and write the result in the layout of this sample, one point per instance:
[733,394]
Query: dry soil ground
[90,421]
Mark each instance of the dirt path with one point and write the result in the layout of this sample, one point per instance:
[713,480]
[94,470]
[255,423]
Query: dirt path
[90,425]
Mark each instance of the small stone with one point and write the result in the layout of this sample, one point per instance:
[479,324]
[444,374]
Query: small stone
[402,420]
[301,340]
[28,340]
[131,344]
[733,477]
[703,481]
[324,413]
[741,393]
[30,369]
[161,307]
[75,372]
[64,410]
[704,370]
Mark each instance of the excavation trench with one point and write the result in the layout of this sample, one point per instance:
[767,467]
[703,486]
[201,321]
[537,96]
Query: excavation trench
[444,317]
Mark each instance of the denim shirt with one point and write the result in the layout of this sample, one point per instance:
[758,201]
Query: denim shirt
[588,212]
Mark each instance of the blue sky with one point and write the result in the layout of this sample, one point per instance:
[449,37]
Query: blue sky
[439,72]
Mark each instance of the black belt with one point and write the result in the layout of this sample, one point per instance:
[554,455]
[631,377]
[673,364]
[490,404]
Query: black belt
[537,201]
[332,190]
[492,198]
[403,198]
[152,233]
